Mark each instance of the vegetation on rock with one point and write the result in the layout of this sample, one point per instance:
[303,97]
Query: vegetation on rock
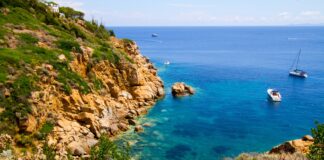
[64,80]
[317,149]
[106,149]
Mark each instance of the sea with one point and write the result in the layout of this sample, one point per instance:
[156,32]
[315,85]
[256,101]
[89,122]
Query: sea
[231,69]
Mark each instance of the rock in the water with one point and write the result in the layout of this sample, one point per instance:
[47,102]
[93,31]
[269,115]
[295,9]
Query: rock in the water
[181,89]
[294,146]
[139,129]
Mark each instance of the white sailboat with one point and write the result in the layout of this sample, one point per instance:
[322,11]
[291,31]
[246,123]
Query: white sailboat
[294,71]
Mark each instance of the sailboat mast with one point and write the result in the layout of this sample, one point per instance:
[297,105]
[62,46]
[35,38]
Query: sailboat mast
[298,58]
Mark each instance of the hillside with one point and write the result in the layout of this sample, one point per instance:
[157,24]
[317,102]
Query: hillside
[65,82]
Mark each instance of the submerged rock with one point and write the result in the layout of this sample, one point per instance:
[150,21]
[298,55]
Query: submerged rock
[181,89]
[139,129]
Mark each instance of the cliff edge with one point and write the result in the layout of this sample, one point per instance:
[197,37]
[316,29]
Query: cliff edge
[65,81]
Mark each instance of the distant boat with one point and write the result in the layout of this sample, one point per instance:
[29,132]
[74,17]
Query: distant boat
[274,95]
[155,35]
[294,71]
[167,62]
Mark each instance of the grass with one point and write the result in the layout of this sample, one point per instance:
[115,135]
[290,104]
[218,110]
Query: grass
[98,84]
[19,16]
[28,39]
[105,53]
[49,152]
[71,79]
[46,129]
[69,45]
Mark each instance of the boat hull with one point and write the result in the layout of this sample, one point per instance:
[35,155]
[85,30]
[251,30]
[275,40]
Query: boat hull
[274,98]
[298,74]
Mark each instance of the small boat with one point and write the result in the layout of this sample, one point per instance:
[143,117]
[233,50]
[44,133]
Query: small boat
[294,68]
[167,63]
[155,35]
[274,95]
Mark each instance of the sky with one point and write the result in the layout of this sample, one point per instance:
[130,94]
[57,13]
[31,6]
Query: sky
[201,12]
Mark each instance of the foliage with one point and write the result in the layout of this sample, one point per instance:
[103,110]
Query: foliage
[70,79]
[17,105]
[28,39]
[69,45]
[98,29]
[49,152]
[128,41]
[71,13]
[106,149]
[46,129]
[317,149]
[105,53]
[24,140]
[98,84]
[77,32]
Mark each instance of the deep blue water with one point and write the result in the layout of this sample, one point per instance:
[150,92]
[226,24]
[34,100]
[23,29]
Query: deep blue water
[231,68]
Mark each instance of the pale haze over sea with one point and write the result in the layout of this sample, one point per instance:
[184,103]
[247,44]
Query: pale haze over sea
[202,12]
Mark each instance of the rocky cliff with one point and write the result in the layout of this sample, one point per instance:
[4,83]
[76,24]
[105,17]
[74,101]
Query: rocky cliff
[66,81]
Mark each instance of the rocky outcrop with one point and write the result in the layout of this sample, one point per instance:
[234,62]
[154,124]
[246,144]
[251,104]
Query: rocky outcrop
[128,90]
[181,89]
[294,146]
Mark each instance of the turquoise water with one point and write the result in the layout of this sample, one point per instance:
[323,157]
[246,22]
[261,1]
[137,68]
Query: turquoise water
[231,68]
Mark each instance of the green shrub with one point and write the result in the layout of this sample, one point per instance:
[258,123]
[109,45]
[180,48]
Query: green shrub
[112,33]
[70,79]
[49,152]
[105,53]
[28,39]
[69,45]
[23,86]
[46,129]
[106,149]
[71,13]
[126,41]
[24,140]
[317,149]
[98,84]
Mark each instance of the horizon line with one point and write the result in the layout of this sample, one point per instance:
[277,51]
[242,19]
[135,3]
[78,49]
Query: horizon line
[319,25]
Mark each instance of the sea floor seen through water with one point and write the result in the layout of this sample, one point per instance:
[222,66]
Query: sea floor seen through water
[231,69]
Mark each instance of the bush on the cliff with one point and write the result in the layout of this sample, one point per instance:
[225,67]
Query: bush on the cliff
[106,149]
[71,13]
[28,39]
[317,149]
[69,45]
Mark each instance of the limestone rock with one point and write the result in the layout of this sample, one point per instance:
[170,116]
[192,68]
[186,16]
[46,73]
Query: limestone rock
[90,119]
[294,146]
[132,122]
[28,124]
[62,58]
[76,148]
[5,139]
[139,129]
[181,89]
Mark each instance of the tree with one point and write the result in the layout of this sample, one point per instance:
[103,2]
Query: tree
[71,13]
[317,149]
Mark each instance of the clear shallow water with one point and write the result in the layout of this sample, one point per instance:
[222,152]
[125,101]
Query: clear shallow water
[231,68]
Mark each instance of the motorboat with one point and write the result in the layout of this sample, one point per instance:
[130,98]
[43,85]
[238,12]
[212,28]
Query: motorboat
[274,95]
